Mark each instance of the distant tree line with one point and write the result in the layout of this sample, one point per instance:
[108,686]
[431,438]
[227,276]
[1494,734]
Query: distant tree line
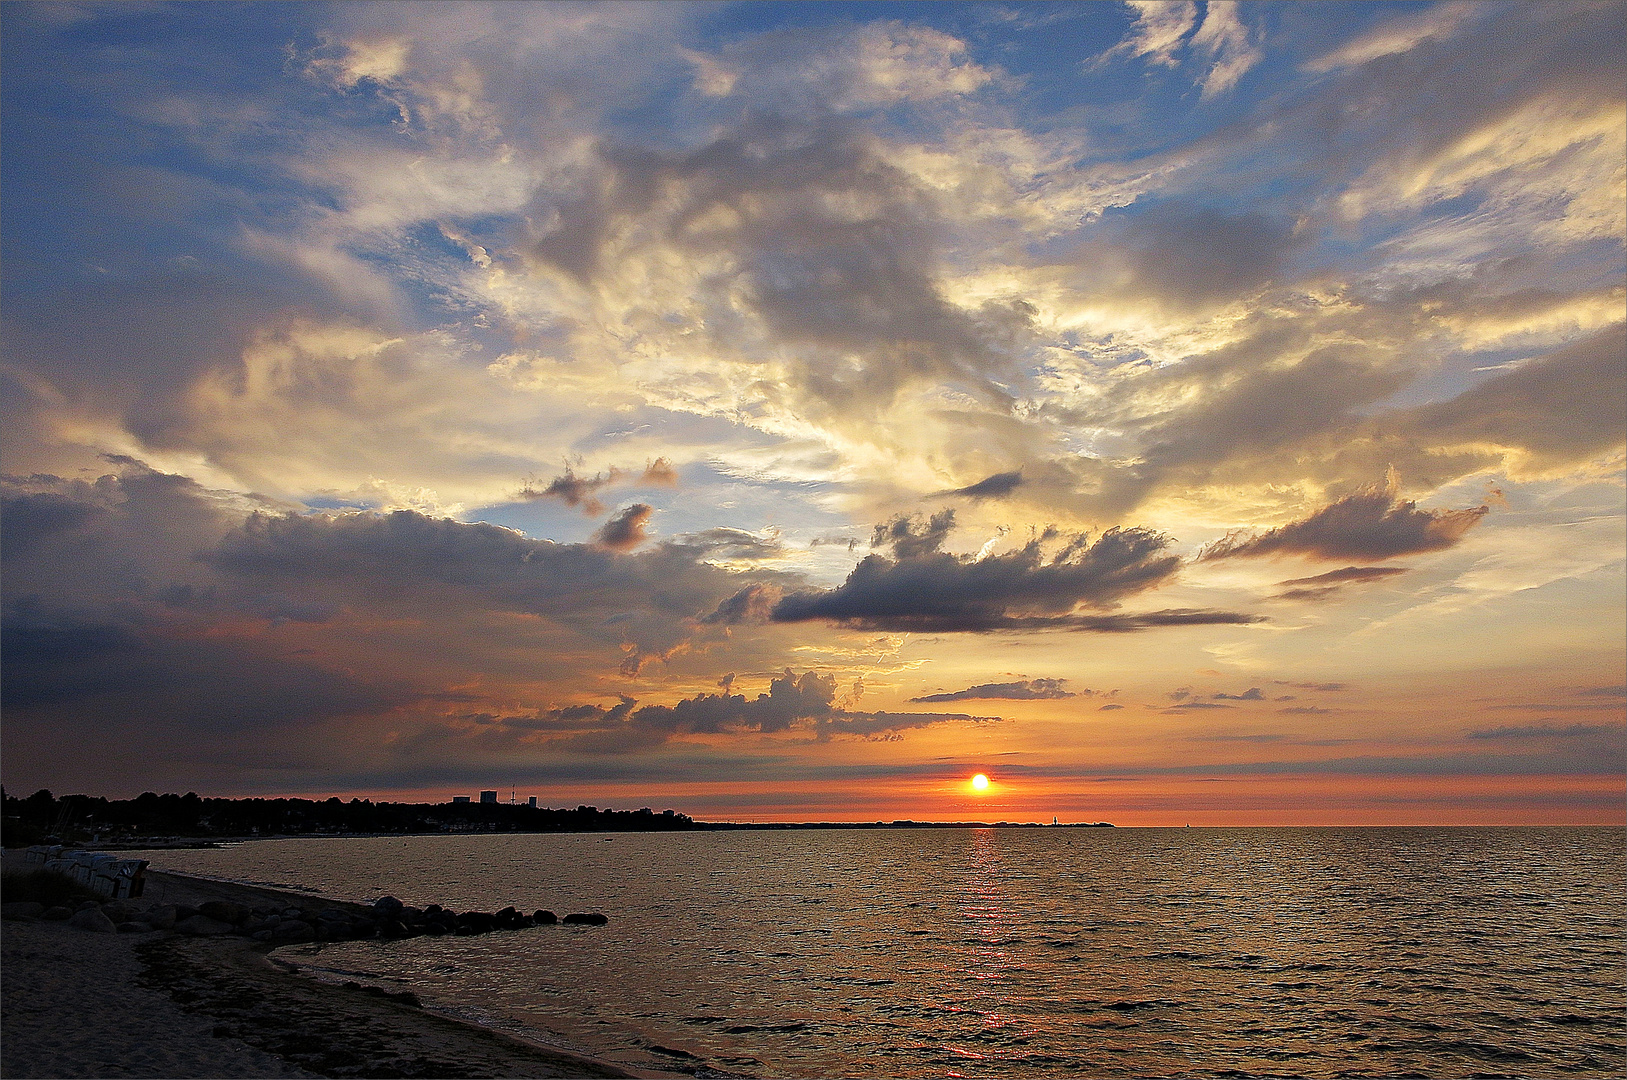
[74,819]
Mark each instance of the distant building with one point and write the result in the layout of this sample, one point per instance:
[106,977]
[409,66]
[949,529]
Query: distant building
[488,796]
[531,802]
[460,798]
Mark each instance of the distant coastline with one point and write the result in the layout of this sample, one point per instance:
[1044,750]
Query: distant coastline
[157,821]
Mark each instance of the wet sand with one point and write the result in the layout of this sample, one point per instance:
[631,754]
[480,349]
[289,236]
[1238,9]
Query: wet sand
[80,1004]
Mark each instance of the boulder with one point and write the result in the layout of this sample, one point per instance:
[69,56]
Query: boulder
[119,910]
[162,917]
[202,926]
[292,932]
[22,909]
[86,905]
[92,919]
[388,905]
[225,911]
[590,919]
[57,914]
[134,927]
[545,918]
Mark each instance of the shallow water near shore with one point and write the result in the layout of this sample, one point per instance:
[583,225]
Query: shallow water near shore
[1012,952]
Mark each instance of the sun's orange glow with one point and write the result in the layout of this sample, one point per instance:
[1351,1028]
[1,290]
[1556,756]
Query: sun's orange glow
[980,782]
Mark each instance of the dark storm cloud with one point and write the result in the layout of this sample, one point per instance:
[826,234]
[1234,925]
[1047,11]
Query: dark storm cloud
[1023,690]
[154,546]
[997,486]
[625,530]
[1371,524]
[924,588]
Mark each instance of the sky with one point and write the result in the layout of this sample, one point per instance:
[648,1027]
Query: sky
[1180,413]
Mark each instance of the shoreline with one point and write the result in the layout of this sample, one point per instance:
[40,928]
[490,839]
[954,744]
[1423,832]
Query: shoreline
[162,1004]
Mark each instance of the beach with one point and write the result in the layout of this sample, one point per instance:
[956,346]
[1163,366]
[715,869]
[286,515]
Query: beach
[83,1004]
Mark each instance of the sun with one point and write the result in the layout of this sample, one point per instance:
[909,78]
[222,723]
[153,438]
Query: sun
[980,782]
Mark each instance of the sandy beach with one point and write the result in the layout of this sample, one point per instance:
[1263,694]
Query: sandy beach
[82,1004]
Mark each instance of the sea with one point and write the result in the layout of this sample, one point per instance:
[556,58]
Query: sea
[1009,952]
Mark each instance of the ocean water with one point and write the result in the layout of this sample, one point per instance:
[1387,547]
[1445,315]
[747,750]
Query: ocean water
[1442,952]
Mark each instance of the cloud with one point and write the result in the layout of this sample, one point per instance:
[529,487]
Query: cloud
[1227,41]
[793,702]
[993,487]
[1324,586]
[1543,731]
[625,530]
[926,589]
[754,603]
[1565,407]
[1023,690]
[1371,524]
[1399,35]
[1253,693]
[573,490]
[1157,30]
[659,473]
[1349,574]
[1160,30]
[842,68]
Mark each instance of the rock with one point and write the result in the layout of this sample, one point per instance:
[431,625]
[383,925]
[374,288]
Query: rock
[225,911]
[590,919]
[476,922]
[92,919]
[22,909]
[289,913]
[134,928]
[545,918]
[86,905]
[57,914]
[162,917]
[185,911]
[202,926]
[119,911]
[388,905]
[261,935]
[292,932]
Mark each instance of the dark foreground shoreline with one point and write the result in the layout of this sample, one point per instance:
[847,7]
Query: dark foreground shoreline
[82,1004]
